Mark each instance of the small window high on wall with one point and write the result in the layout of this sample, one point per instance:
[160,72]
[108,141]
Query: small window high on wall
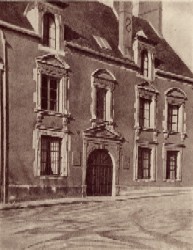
[49,30]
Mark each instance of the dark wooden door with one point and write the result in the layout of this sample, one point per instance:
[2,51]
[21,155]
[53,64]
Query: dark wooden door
[99,174]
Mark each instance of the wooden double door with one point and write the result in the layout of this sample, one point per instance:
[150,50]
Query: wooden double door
[99,173]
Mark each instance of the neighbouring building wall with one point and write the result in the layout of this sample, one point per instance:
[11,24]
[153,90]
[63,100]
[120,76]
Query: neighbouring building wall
[21,53]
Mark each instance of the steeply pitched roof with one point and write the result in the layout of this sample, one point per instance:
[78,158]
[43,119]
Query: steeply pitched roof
[94,18]
[12,12]
[170,61]
[83,20]
[88,19]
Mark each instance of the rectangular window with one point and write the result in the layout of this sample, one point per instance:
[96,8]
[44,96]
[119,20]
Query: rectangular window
[173,116]
[49,93]
[171,165]
[101,103]
[144,163]
[144,113]
[50,155]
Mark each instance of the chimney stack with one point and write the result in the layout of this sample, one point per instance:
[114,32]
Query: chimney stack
[124,11]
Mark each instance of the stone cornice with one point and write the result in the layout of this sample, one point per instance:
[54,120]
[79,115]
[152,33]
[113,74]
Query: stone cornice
[18,29]
[174,76]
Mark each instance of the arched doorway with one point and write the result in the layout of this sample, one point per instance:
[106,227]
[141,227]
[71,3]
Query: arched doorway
[99,173]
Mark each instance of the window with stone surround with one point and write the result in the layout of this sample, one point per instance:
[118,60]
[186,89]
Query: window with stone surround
[174,112]
[50,155]
[52,85]
[103,84]
[145,116]
[145,161]
[172,159]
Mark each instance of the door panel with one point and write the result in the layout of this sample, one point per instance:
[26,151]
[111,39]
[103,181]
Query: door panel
[99,174]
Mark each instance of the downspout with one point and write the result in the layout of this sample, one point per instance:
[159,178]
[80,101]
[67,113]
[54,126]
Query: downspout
[4,123]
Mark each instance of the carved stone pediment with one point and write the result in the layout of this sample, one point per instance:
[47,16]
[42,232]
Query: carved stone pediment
[104,133]
[53,60]
[53,65]
[147,86]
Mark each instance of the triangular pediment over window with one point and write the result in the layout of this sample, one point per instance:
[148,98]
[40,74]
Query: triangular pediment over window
[103,133]
[53,60]
[148,87]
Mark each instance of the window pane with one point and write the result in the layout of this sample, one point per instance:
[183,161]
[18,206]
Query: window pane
[144,163]
[49,93]
[50,155]
[53,105]
[101,103]
[44,92]
[173,117]
[171,167]
[144,113]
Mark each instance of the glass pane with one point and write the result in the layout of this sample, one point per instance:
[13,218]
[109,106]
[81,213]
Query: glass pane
[53,105]
[101,103]
[171,168]
[52,34]
[53,83]
[44,92]
[44,103]
[53,95]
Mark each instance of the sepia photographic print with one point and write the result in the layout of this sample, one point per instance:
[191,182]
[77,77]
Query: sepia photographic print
[96,125]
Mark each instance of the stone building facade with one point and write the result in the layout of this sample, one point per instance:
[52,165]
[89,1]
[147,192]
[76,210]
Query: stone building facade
[94,101]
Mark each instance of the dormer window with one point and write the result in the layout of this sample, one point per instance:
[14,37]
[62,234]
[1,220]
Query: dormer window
[102,42]
[145,63]
[49,30]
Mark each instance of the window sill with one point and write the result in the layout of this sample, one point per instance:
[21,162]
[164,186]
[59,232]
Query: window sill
[145,180]
[102,122]
[172,181]
[51,113]
[52,177]
[147,129]
[51,50]
[171,132]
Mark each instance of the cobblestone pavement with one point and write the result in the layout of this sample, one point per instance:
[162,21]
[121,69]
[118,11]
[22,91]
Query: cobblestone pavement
[148,223]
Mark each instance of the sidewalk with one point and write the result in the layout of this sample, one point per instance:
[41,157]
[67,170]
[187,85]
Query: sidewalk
[135,194]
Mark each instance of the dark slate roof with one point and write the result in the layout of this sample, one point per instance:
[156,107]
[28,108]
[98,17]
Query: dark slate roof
[94,18]
[12,12]
[169,60]
[84,19]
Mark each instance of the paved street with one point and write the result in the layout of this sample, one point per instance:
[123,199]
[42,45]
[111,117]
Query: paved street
[145,223]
